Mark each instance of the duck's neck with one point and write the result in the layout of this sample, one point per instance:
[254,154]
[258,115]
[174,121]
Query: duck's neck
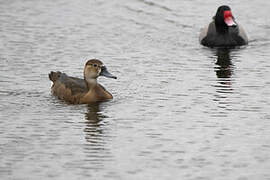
[90,83]
[221,27]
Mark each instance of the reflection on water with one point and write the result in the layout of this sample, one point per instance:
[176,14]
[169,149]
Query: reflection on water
[93,122]
[96,137]
[176,114]
[224,71]
[93,114]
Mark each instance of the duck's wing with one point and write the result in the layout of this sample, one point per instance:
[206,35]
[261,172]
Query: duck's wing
[68,88]
[208,35]
[203,33]
[243,34]
[238,34]
[75,85]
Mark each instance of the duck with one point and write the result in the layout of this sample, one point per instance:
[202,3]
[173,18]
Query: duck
[82,91]
[223,31]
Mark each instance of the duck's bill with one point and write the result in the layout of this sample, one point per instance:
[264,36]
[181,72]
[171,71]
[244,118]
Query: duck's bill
[230,22]
[106,73]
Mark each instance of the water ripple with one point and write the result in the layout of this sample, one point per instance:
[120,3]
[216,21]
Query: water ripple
[180,110]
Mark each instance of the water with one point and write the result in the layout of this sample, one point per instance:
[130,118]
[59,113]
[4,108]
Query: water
[180,110]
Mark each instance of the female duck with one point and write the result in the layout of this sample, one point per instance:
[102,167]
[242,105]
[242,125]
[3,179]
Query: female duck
[82,91]
[223,31]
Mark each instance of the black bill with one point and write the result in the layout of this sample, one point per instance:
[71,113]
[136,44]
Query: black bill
[106,73]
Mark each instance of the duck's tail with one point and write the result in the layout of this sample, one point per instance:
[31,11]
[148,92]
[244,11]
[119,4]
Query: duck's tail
[53,76]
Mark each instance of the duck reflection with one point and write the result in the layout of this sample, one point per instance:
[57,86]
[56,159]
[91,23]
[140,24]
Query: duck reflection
[224,70]
[95,148]
[93,112]
[224,63]
[94,125]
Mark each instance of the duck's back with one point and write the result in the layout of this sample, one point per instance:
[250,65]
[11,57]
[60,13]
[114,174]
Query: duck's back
[68,88]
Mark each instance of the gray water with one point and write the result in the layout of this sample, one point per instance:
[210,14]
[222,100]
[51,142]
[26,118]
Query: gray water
[180,110]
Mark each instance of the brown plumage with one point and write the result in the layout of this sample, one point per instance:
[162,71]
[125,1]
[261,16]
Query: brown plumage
[82,91]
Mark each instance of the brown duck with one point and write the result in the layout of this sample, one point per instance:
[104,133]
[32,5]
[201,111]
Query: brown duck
[82,91]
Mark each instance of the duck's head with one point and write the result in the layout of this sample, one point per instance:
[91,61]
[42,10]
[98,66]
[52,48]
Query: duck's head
[95,68]
[224,18]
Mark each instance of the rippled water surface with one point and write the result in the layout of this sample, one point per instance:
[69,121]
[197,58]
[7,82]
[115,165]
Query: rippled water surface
[180,110]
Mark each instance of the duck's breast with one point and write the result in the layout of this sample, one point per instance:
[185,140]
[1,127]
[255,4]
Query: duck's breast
[98,93]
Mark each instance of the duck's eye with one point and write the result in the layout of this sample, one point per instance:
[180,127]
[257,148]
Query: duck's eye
[95,65]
